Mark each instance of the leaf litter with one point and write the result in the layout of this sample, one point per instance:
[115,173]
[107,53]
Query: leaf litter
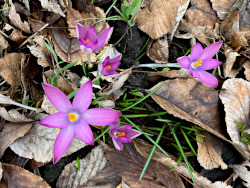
[39,44]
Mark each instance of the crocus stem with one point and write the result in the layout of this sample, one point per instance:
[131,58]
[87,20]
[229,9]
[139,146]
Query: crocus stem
[98,77]
[24,106]
[153,66]
[89,60]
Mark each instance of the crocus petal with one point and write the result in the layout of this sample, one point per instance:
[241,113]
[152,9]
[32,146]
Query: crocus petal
[113,74]
[62,142]
[83,97]
[90,45]
[100,116]
[103,37]
[133,134]
[124,139]
[118,145]
[57,120]
[208,64]
[196,52]
[57,98]
[91,34]
[83,132]
[208,78]
[211,50]
[114,65]
[105,71]
[125,128]
[184,62]
[80,30]
[116,58]
[86,50]
[193,72]
[115,124]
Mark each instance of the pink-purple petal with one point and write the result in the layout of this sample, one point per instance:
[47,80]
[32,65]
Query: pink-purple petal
[184,62]
[208,78]
[83,97]
[84,132]
[118,145]
[103,37]
[211,50]
[114,65]
[100,116]
[115,124]
[62,142]
[91,34]
[116,58]
[124,139]
[196,52]
[113,74]
[126,129]
[193,72]
[80,30]
[209,63]
[56,120]
[133,134]
[86,50]
[57,98]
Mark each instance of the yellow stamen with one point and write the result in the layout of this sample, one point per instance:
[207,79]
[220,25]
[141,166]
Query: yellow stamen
[120,134]
[72,117]
[108,67]
[88,41]
[198,63]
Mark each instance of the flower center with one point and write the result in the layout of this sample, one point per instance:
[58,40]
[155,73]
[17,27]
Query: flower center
[72,117]
[198,63]
[88,41]
[108,67]
[120,134]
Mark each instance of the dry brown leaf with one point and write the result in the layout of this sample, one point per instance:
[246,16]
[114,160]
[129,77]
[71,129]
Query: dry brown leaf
[144,149]
[68,49]
[209,152]
[13,115]
[243,172]
[228,66]
[94,172]
[235,96]
[52,6]
[222,7]
[132,164]
[158,17]
[247,70]
[157,50]
[10,66]
[14,34]
[39,50]
[4,45]
[1,171]
[93,12]
[16,19]
[38,143]
[15,177]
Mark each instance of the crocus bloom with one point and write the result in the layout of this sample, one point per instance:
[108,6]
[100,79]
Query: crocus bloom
[88,39]
[122,134]
[201,60]
[108,66]
[73,119]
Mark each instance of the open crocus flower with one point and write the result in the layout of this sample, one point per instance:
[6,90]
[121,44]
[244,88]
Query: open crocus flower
[73,119]
[201,60]
[108,66]
[122,134]
[88,39]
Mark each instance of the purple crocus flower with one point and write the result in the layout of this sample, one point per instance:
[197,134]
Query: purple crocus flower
[122,134]
[201,60]
[73,119]
[88,39]
[108,66]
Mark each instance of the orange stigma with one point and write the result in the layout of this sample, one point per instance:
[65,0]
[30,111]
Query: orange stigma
[120,134]
[72,117]
[108,67]
[88,41]
[198,63]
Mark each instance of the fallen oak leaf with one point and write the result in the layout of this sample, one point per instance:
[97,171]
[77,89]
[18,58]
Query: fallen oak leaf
[14,176]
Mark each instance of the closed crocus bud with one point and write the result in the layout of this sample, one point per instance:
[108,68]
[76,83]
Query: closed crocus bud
[106,103]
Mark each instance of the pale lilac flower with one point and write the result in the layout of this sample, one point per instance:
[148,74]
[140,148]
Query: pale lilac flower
[73,119]
[122,134]
[88,39]
[108,66]
[201,60]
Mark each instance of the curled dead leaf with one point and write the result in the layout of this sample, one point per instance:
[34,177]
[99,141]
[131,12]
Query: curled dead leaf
[228,66]
[247,70]
[235,96]
[4,45]
[94,172]
[222,7]
[14,34]
[159,17]
[53,6]
[242,170]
